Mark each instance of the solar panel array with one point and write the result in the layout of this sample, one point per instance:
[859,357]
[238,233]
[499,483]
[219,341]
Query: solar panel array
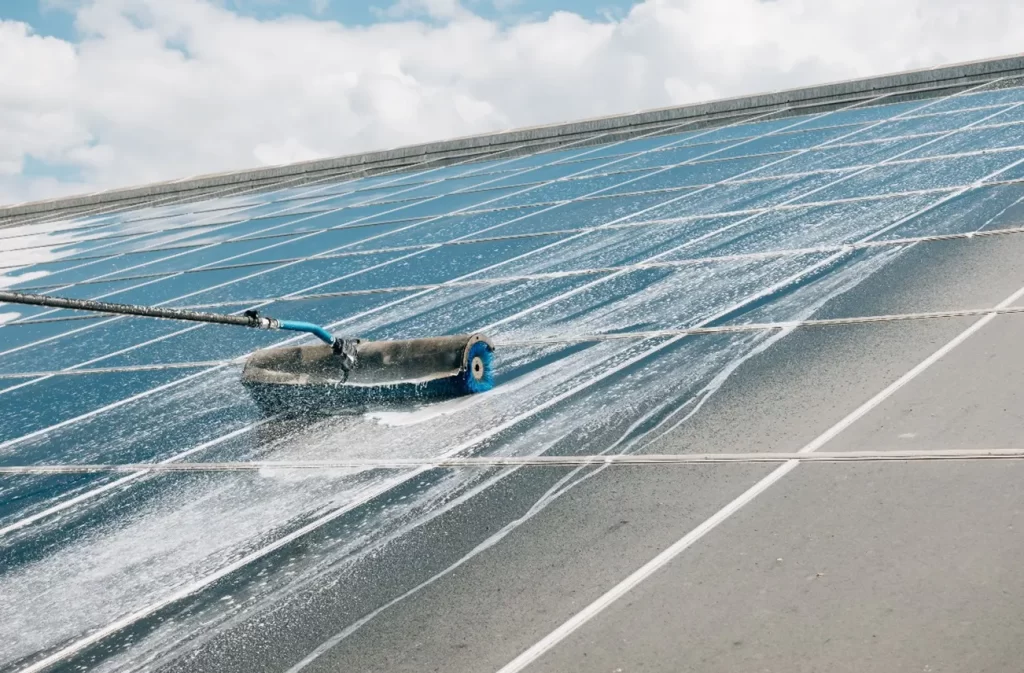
[584,263]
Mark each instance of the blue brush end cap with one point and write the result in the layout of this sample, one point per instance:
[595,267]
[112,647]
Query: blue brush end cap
[479,374]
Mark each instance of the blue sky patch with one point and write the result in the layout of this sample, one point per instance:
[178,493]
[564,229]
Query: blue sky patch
[55,18]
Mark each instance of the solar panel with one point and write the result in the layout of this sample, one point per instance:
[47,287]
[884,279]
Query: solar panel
[587,262]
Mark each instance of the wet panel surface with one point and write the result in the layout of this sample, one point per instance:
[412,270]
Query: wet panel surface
[425,567]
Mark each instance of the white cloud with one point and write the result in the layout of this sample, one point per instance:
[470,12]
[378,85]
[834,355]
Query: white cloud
[436,9]
[158,90]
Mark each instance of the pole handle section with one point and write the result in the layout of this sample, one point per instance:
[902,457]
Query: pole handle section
[248,319]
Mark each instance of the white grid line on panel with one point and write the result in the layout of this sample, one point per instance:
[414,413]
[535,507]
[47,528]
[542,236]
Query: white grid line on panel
[487,462]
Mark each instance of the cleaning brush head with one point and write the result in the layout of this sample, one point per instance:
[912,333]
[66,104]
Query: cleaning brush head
[316,378]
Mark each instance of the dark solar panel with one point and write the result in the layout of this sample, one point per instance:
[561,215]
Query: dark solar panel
[756,222]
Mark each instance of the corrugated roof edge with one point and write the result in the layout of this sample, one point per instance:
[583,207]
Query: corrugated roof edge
[947,75]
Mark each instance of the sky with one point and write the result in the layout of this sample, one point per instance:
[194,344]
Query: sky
[96,94]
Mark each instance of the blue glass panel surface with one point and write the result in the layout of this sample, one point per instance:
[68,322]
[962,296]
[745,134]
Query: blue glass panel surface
[750,130]
[695,174]
[354,198]
[554,172]
[24,495]
[320,222]
[186,217]
[65,402]
[17,336]
[790,141]
[991,96]
[639,145]
[461,309]
[449,228]
[151,427]
[175,238]
[992,207]
[902,177]
[841,156]
[83,341]
[161,289]
[346,193]
[256,250]
[930,123]
[589,213]
[380,180]
[443,205]
[440,187]
[647,299]
[673,156]
[484,165]
[1013,172]
[1009,116]
[9,235]
[765,246]
[552,157]
[568,189]
[341,239]
[98,290]
[77,271]
[386,210]
[973,140]
[439,265]
[169,224]
[245,285]
[804,228]
[731,197]
[863,115]
[186,259]
[297,189]
[11,312]
[312,204]
[60,248]
[343,314]
[617,246]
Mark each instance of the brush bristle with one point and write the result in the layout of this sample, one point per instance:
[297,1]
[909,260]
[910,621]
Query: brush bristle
[472,385]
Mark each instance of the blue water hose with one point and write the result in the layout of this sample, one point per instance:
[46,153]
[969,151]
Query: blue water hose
[309,328]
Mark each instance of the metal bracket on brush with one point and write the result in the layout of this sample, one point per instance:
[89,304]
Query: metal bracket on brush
[345,348]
